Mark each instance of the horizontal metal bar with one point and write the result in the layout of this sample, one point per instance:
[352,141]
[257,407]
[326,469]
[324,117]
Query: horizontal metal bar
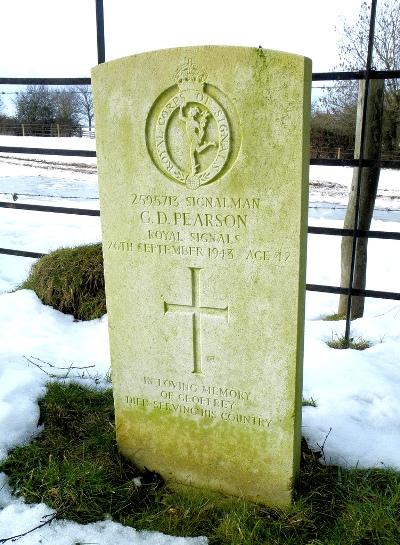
[89,153]
[336,162]
[48,151]
[338,76]
[383,235]
[395,163]
[20,253]
[310,287]
[391,235]
[45,81]
[355,75]
[354,291]
[55,209]
[376,294]
[327,289]
[317,76]
[330,231]
[360,233]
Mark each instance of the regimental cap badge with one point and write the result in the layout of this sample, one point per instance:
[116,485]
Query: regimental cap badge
[189,75]
[189,127]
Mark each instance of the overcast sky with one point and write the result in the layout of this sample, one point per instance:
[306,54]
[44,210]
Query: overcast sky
[52,38]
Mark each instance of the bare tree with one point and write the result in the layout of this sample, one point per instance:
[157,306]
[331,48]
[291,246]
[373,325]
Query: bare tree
[341,98]
[85,103]
[353,44]
[66,110]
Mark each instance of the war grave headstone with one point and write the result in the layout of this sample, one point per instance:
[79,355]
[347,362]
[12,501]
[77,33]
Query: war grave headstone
[203,169]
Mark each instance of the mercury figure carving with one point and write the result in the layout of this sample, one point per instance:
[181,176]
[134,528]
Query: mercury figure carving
[195,122]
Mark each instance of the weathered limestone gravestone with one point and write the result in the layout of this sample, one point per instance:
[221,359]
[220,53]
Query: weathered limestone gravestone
[203,163]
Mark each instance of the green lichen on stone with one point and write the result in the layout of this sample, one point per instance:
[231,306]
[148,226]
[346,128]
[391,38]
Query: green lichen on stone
[203,157]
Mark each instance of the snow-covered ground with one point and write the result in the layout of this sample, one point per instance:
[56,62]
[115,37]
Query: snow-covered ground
[331,185]
[356,393]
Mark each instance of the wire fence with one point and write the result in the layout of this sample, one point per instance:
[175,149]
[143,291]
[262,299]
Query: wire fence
[324,158]
[339,152]
[15,196]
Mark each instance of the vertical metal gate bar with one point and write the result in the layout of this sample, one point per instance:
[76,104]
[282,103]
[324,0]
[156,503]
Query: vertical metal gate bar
[101,52]
[360,166]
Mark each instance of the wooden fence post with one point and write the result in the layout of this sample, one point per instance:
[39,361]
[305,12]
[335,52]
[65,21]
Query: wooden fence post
[369,186]
[58,130]
[23,129]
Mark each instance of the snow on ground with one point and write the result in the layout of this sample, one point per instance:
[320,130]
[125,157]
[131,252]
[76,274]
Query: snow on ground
[74,143]
[39,232]
[28,175]
[16,518]
[333,184]
[356,393]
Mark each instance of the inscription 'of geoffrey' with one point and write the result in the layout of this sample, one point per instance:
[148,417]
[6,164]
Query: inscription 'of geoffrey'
[188,133]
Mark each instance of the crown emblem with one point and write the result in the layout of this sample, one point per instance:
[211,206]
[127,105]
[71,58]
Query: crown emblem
[190,76]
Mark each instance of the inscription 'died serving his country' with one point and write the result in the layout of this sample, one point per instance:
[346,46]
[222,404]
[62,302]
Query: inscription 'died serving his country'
[207,401]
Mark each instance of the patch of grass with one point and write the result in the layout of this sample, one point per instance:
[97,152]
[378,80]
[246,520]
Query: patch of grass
[309,402]
[341,343]
[334,317]
[74,466]
[71,280]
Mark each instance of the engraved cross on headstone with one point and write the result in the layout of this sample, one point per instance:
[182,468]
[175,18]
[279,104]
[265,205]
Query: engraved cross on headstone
[197,312]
